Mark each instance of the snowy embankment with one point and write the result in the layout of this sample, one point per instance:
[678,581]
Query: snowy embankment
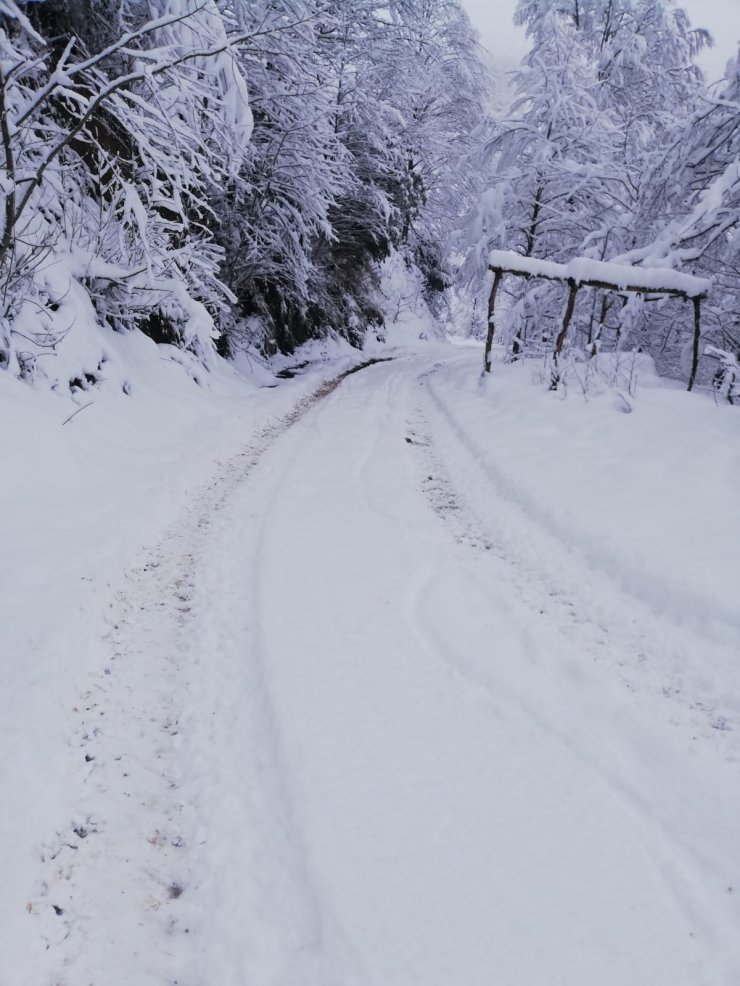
[394,684]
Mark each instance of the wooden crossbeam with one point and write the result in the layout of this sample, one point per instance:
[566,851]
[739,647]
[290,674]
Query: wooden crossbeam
[604,285]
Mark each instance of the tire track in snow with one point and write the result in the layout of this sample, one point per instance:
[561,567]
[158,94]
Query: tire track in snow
[440,822]
[514,570]
[558,578]
[112,897]
[273,926]
[707,618]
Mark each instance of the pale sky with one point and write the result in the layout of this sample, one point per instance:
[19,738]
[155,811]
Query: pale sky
[493,19]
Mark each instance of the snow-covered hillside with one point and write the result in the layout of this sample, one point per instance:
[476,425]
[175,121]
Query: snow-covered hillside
[388,678]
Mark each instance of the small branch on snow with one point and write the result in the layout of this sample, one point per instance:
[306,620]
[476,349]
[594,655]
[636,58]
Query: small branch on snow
[90,404]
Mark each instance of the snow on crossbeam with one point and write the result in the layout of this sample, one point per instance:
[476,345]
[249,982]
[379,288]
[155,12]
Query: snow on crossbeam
[586,272]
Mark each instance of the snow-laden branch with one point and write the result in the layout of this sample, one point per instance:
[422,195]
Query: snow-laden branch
[104,94]
[710,215]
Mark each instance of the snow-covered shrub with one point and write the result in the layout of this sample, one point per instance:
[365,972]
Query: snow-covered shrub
[726,379]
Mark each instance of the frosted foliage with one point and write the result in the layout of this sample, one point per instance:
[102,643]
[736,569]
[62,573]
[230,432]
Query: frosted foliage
[363,114]
[224,87]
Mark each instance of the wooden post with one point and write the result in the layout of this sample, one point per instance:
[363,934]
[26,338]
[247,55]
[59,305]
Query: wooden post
[491,324]
[695,349]
[555,379]
[593,343]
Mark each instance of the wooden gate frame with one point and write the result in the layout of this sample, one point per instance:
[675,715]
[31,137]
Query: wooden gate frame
[543,270]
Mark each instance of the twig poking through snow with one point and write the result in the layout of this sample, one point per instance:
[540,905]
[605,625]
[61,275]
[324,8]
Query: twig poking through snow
[74,413]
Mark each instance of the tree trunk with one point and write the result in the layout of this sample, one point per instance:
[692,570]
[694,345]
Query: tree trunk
[491,324]
[695,348]
[555,379]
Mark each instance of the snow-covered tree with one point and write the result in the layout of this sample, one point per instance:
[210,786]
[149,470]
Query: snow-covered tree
[693,208]
[599,98]
[109,156]
[276,208]
[440,89]
[362,114]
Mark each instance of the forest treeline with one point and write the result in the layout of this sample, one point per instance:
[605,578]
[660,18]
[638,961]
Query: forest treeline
[222,174]
[226,171]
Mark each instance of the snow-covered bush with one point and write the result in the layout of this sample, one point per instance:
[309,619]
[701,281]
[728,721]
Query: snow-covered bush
[726,379]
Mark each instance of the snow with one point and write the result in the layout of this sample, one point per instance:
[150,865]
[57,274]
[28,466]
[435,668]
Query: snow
[82,503]
[508,260]
[402,678]
[642,494]
[584,269]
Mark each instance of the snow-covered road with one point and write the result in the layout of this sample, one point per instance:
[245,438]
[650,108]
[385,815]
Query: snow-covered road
[369,721]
